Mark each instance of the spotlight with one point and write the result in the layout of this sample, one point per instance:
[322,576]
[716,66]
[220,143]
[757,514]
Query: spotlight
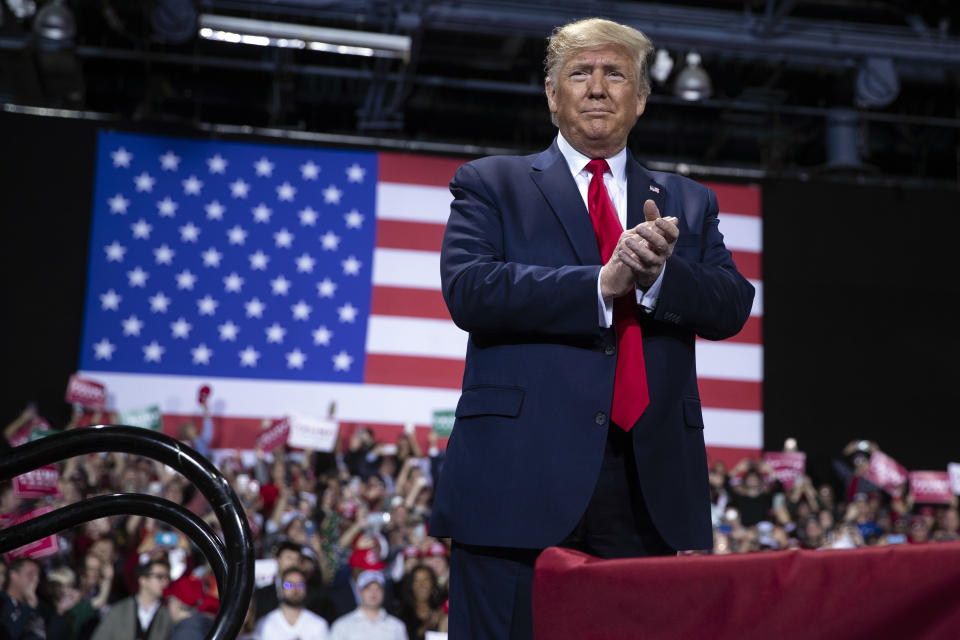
[693,83]
[662,66]
[877,83]
[55,22]
[174,21]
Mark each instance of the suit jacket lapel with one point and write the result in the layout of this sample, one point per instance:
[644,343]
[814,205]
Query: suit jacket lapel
[641,187]
[552,176]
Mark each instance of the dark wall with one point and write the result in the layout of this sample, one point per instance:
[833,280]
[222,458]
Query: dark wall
[860,340]
[46,185]
[858,286]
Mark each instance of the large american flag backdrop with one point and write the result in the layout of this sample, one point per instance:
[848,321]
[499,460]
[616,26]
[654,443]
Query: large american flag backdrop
[288,278]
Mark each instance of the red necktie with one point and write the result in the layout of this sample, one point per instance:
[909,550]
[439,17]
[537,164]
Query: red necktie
[630,395]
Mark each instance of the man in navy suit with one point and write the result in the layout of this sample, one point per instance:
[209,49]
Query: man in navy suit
[537,457]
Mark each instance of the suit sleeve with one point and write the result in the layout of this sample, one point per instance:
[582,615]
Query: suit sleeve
[709,296]
[486,292]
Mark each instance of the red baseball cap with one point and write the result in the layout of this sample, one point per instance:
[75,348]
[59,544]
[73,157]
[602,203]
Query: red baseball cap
[189,591]
[366,559]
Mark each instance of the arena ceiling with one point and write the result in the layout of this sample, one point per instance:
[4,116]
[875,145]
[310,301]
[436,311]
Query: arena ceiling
[868,89]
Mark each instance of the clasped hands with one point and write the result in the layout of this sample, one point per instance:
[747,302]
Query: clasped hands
[640,254]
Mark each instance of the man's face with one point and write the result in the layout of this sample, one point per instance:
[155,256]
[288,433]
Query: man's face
[293,589]
[153,583]
[287,559]
[91,570]
[371,596]
[26,578]
[595,97]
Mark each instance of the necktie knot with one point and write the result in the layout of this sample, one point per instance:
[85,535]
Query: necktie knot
[598,166]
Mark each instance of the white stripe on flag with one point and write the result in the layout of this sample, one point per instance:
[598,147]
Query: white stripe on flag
[403,268]
[237,397]
[421,270]
[729,361]
[413,203]
[733,428]
[394,335]
[741,233]
[757,308]
[419,337]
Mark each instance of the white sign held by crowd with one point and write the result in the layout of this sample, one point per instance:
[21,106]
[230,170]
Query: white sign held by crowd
[307,432]
[953,468]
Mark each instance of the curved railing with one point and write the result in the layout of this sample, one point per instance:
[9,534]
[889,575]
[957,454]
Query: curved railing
[231,558]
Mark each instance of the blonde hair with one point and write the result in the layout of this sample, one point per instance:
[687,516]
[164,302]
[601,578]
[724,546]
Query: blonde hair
[597,32]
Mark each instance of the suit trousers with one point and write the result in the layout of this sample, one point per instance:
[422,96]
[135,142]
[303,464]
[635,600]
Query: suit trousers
[491,588]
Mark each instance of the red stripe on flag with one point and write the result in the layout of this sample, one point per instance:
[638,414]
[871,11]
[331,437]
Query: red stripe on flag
[241,433]
[413,371]
[742,199]
[731,394]
[730,456]
[409,303]
[414,236]
[431,171]
[752,332]
[749,264]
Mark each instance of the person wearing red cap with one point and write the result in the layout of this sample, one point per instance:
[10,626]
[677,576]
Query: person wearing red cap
[345,596]
[190,609]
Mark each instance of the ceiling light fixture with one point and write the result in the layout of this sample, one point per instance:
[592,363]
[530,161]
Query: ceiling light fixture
[299,36]
[693,83]
[662,66]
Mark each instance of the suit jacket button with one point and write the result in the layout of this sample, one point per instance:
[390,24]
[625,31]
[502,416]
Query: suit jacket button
[610,350]
[600,418]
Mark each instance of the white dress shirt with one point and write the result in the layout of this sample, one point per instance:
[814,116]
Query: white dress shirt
[145,615]
[615,182]
[357,626]
[309,626]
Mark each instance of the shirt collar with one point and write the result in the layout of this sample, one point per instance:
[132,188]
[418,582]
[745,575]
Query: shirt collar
[147,610]
[577,162]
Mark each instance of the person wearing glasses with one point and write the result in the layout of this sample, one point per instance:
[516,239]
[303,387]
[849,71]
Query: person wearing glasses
[141,616]
[292,620]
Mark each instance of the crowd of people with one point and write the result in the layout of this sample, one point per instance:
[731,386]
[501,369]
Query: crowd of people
[343,542]
[752,510]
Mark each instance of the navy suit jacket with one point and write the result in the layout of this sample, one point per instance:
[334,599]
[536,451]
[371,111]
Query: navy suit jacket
[519,270]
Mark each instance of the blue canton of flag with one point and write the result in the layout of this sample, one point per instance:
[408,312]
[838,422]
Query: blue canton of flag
[229,259]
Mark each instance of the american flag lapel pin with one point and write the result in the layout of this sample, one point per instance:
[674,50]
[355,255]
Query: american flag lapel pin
[654,189]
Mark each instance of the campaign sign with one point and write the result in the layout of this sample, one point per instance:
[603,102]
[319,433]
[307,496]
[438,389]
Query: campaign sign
[312,433]
[443,422]
[39,548]
[275,436]
[789,466]
[148,418]
[930,487]
[264,571]
[886,473]
[953,468]
[38,483]
[34,429]
[86,393]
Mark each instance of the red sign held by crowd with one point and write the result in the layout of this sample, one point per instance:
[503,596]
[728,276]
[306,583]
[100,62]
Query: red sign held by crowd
[886,473]
[86,393]
[930,487]
[39,548]
[789,466]
[275,436]
[38,483]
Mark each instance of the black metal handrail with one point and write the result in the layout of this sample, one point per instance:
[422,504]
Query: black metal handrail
[231,559]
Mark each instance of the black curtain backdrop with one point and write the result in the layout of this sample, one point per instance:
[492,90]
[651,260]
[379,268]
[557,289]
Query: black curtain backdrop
[859,282]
